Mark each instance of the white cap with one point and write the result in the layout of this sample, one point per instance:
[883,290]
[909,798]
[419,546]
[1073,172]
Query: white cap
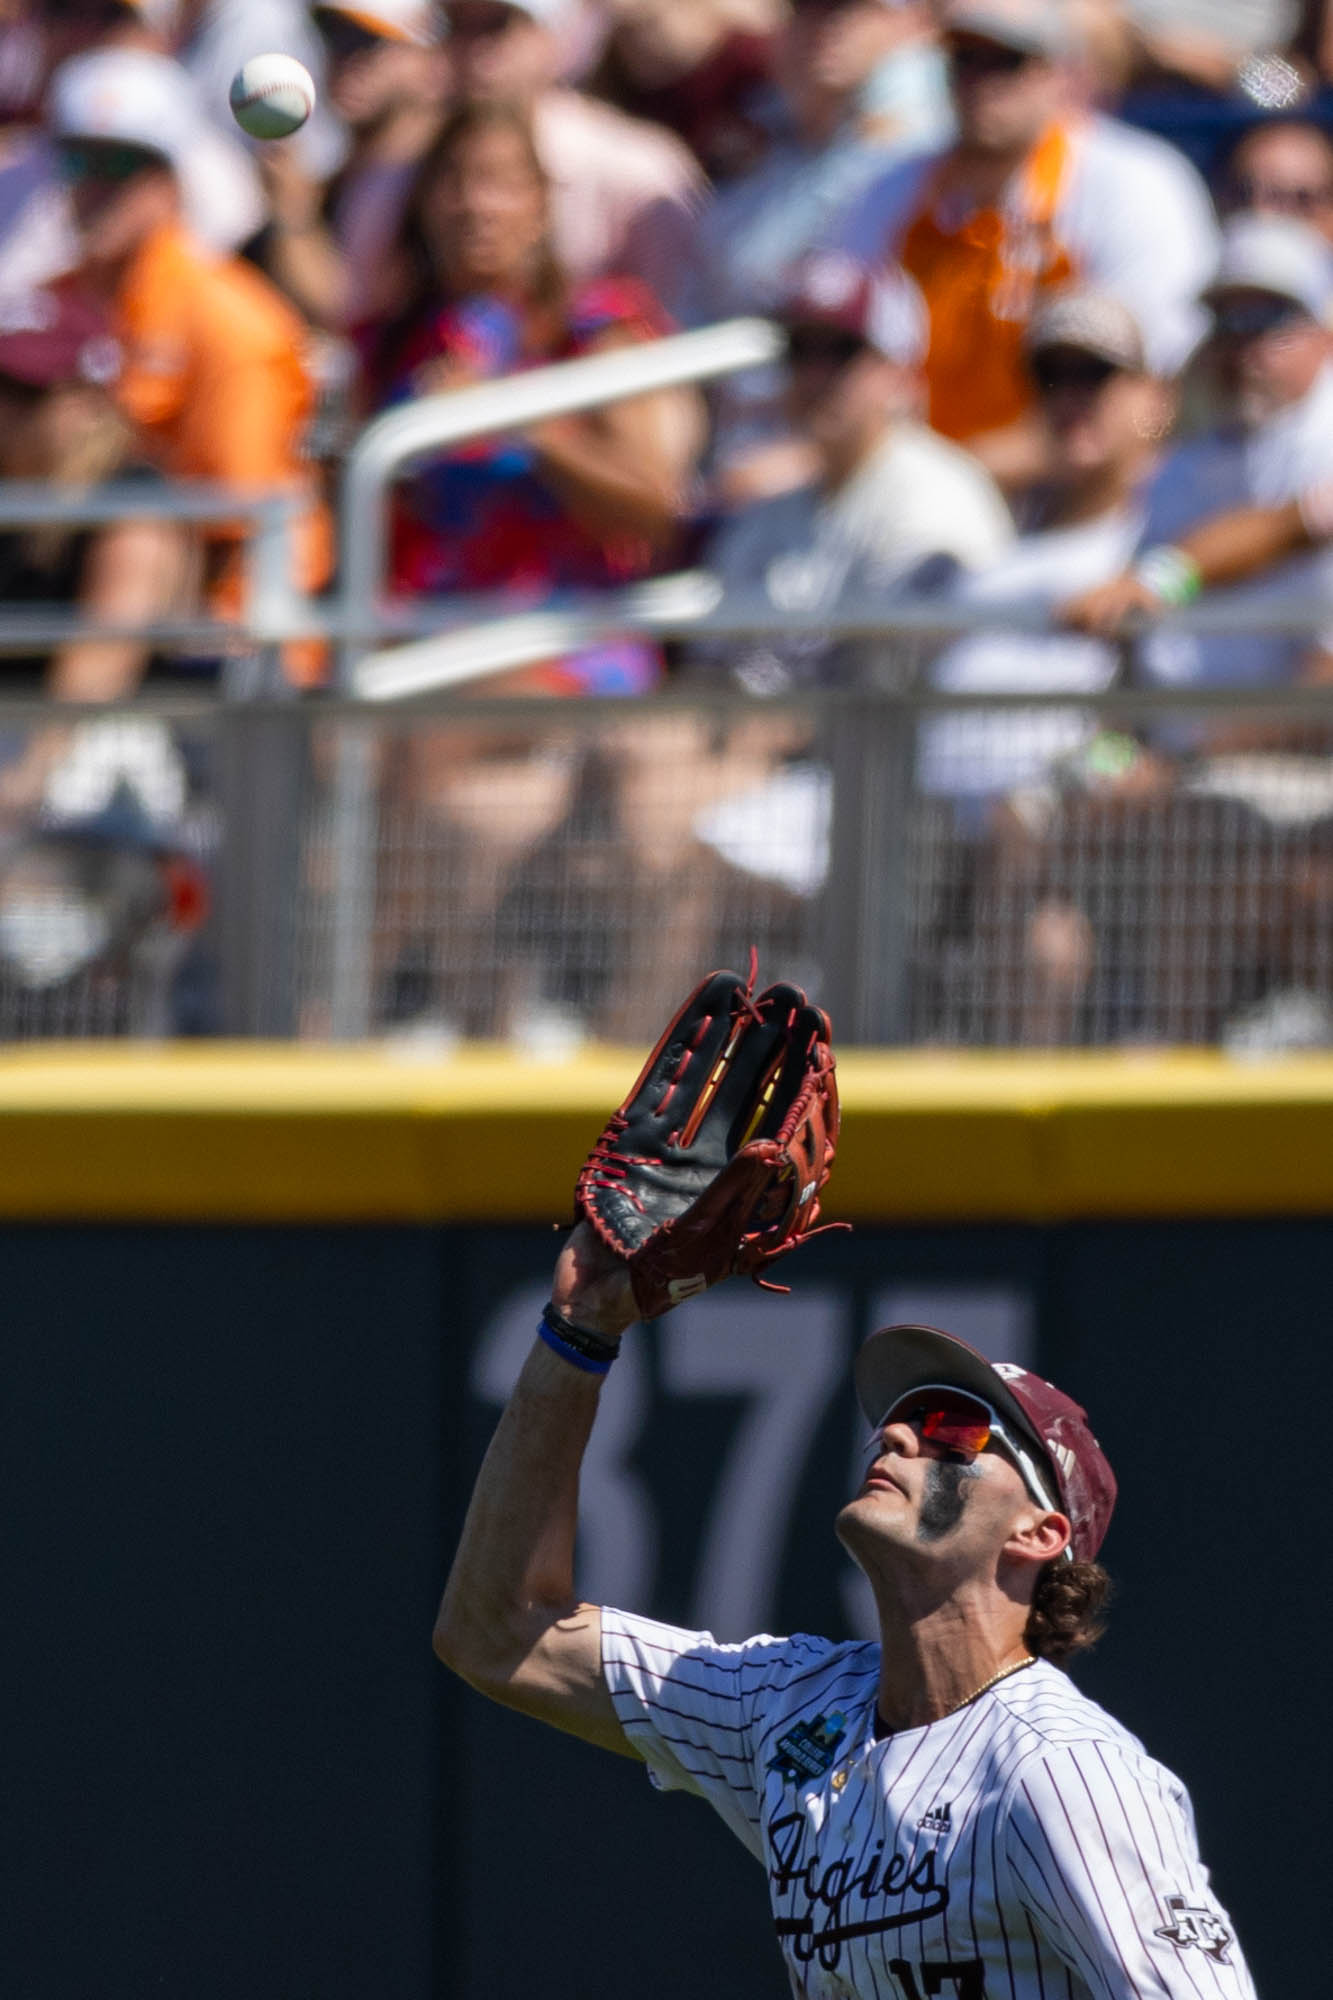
[1275,253]
[392,20]
[1091,321]
[126,95]
[1039,27]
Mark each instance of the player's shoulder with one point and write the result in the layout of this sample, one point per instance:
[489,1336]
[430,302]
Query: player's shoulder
[1045,1709]
[1112,153]
[1054,1735]
[917,453]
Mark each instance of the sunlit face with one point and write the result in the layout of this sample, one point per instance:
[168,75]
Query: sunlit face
[838,387]
[484,215]
[371,75]
[1266,352]
[833,46]
[1003,98]
[1284,170]
[118,194]
[497,51]
[934,1507]
[1098,416]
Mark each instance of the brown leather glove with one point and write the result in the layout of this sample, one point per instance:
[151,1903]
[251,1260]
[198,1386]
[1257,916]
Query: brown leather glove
[714,1163]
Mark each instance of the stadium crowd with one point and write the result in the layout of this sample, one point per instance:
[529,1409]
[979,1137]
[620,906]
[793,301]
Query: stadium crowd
[1057,284]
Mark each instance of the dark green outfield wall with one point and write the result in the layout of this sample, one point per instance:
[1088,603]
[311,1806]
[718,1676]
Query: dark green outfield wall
[233,1463]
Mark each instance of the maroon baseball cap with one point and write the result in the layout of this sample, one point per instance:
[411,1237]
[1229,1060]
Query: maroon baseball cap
[50,337]
[884,308]
[898,1359]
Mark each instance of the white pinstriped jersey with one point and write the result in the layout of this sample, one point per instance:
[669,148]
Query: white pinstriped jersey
[1024,1848]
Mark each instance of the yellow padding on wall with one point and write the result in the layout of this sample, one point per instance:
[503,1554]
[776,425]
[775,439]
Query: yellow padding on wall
[261,1133]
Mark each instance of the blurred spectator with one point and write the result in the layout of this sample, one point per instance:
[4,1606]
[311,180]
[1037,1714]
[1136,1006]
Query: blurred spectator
[1106,417]
[702,68]
[1238,817]
[890,498]
[624,195]
[1030,198]
[330,248]
[577,502]
[219,183]
[218,178]
[1270,361]
[213,372]
[892,508]
[1007,942]
[862,84]
[828,57]
[59,425]
[1283,168]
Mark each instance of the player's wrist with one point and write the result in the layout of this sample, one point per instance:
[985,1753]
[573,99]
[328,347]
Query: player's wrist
[593,1288]
[582,1347]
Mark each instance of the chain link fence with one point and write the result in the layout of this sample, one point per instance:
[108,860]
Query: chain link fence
[546,872]
[549,872]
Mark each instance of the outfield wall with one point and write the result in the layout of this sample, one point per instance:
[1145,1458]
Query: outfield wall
[263,1306]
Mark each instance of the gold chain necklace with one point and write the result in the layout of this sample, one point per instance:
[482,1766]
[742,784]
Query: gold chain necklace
[1028,1660]
[1015,1667]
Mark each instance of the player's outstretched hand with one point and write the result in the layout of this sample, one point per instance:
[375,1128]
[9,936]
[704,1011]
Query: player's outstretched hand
[714,1163]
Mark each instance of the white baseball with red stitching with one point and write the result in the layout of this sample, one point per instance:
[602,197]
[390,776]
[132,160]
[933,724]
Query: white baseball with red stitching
[272,96]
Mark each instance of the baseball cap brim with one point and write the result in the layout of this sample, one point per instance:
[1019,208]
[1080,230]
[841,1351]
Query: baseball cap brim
[394,23]
[1038,30]
[898,1359]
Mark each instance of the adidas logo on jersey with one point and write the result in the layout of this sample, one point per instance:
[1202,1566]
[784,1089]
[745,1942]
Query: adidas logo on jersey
[937,1820]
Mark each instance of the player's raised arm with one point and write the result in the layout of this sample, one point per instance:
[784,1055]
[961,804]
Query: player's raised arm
[511,1622]
[712,1166]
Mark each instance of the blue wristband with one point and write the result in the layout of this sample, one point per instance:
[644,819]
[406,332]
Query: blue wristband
[546,1332]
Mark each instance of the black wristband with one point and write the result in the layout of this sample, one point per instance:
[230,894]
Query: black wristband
[596,1346]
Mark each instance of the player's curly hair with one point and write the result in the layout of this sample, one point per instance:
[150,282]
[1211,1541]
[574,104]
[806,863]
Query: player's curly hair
[1067,1607]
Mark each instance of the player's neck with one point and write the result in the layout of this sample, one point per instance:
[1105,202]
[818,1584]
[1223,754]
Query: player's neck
[936,1662]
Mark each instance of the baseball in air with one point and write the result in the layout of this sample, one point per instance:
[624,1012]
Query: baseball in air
[272,96]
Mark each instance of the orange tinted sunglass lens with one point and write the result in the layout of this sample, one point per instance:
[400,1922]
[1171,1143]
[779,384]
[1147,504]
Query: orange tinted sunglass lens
[956,1429]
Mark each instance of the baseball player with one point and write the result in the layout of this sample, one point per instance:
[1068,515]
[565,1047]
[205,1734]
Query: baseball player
[939,1812]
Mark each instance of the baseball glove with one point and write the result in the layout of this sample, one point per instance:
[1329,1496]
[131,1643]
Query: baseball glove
[714,1163]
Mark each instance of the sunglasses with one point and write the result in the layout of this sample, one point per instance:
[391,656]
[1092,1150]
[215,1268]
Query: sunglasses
[482,22]
[964,1426]
[1253,319]
[1271,195]
[104,160]
[1085,374]
[823,347]
[344,39]
[986,59]
[89,13]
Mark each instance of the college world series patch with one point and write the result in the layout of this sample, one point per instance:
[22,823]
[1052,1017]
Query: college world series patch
[806,1751]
